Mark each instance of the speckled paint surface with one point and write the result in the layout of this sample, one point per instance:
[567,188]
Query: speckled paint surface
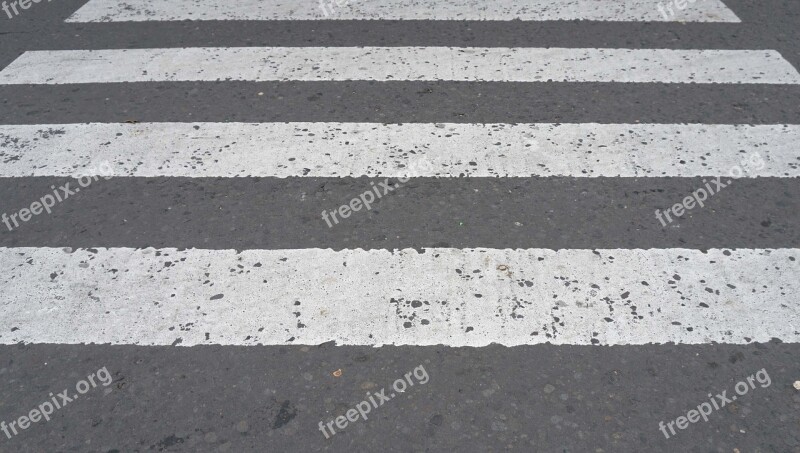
[500,64]
[530,10]
[396,150]
[457,297]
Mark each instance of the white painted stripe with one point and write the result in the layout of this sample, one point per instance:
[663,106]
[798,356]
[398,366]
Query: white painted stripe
[400,63]
[456,297]
[502,10]
[397,150]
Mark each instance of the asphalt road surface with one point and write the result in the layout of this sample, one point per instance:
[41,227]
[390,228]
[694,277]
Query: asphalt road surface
[385,225]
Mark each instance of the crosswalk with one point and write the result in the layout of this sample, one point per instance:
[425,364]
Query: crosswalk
[357,294]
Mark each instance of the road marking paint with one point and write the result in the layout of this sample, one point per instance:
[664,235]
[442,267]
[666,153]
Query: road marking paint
[494,64]
[499,10]
[444,150]
[454,297]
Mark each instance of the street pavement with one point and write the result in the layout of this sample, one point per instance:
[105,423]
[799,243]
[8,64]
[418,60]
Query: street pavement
[400,226]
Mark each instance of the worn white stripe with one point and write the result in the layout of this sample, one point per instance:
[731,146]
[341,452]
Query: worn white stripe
[456,297]
[397,150]
[400,63]
[502,10]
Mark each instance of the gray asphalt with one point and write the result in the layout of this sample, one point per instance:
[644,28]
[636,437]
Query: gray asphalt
[543,398]
[557,213]
[536,398]
[401,102]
